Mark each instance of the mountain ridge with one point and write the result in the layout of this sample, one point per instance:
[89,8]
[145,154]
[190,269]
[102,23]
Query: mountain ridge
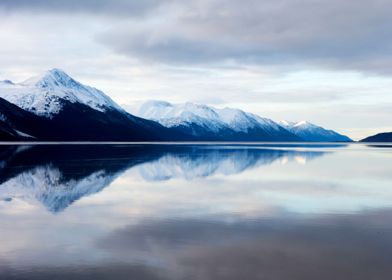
[55,107]
[202,119]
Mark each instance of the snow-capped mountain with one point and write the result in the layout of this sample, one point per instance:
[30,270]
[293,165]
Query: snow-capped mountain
[313,133]
[43,95]
[55,107]
[209,123]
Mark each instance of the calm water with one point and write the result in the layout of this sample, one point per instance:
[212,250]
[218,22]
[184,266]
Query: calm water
[196,212]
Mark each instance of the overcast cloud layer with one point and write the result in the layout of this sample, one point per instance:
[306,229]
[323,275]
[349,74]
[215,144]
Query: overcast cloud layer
[288,59]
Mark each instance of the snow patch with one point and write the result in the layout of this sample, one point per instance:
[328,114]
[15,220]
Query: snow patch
[20,133]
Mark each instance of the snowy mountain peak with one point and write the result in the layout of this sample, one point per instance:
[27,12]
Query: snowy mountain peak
[312,132]
[300,124]
[44,94]
[53,79]
[303,123]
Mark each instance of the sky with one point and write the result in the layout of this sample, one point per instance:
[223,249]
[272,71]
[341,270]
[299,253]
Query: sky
[328,62]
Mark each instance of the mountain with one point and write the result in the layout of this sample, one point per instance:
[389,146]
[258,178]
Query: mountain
[210,124]
[313,133]
[44,95]
[380,137]
[55,107]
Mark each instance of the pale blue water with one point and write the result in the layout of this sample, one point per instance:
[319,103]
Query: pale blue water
[263,211]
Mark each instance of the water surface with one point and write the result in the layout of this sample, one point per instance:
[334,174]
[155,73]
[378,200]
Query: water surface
[233,211]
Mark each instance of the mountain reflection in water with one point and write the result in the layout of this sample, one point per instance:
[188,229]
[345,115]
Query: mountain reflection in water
[198,212]
[58,175]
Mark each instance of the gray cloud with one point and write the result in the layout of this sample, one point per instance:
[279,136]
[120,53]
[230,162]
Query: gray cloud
[344,35]
[107,7]
[349,34]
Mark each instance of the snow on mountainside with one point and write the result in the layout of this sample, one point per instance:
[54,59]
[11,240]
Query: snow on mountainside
[212,119]
[42,95]
[312,132]
[170,115]
[219,121]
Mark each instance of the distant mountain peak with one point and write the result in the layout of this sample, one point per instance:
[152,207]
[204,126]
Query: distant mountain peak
[53,78]
[311,132]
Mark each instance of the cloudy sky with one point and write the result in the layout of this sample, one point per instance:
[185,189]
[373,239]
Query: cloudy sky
[329,62]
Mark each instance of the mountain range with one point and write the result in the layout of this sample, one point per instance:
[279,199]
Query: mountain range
[206,122]
[55,107]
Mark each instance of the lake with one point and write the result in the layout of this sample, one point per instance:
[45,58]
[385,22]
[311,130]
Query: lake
[213,211]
